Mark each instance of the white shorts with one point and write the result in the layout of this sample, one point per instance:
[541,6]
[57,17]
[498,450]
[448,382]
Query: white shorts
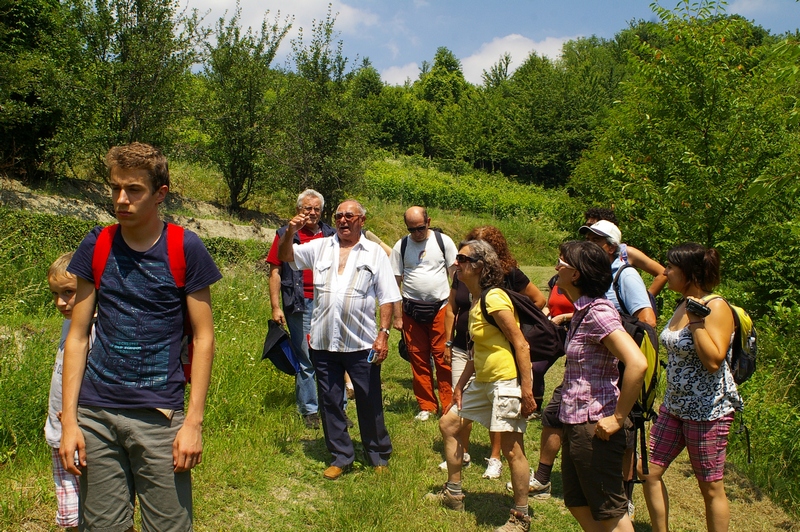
[495,405]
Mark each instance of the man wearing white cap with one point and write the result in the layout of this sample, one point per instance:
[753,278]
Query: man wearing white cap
[632,290]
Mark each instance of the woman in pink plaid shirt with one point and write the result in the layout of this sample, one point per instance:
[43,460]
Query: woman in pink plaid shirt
[593,408]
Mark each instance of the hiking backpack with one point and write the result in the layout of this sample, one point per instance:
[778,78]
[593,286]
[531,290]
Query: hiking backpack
[742,357]
[545,339]
[404,245]
[177,266]
[645,337]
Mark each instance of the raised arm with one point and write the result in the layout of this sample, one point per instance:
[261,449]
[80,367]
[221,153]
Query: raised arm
[640,260]
[712,334]
[285,249]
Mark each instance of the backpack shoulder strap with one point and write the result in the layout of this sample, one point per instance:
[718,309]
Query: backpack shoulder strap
[615,284]
[440,242]
[102,249]
[488,317]
[403,246]
[175,254]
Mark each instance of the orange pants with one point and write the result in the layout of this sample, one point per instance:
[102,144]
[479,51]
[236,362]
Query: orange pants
[423,341]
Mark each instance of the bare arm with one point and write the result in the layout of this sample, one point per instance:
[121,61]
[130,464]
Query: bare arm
[187,449]
[76,348]
[275,294]
[640,260]
[285,249]
[522,352]
[535,295]
[449,322]
[458,389]
[381,344]
[712,335]
[625,349]
[646,315]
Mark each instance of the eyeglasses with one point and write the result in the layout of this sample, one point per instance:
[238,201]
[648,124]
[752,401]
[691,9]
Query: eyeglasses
[349,216]
[561,264]
[461,258]
[312,209]
[417,229]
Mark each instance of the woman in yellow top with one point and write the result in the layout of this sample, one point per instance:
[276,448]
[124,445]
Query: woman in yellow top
[501,396]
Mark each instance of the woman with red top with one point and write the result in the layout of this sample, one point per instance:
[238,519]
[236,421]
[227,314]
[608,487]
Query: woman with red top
[593,408]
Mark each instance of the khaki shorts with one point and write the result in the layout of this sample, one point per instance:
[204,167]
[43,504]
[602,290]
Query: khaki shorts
[495,405]
[129,453]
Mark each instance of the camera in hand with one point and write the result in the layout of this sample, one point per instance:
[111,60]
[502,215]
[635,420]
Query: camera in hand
[697,308]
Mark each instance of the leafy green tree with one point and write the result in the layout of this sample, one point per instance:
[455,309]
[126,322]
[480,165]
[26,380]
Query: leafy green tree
[136,71]
[699,121]
[241,95]
[38,50]
[321,140]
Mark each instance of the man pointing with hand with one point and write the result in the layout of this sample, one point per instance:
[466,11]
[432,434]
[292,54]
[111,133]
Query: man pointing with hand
[350,275]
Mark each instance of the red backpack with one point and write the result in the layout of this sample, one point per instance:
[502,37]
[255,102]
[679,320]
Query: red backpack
[177,265]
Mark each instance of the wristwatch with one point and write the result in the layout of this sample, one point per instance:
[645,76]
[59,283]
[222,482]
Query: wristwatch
[448,343]
[384,329]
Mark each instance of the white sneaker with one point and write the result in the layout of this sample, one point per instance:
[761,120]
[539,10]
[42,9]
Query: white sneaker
[424,415]
[536,490]
[493,468]
[466,461]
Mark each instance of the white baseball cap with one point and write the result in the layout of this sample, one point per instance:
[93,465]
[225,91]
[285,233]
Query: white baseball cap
[605,229]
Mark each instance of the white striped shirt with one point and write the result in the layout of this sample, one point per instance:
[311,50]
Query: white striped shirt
[343,319]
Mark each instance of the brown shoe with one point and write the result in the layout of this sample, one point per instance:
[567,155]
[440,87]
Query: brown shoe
[333,472]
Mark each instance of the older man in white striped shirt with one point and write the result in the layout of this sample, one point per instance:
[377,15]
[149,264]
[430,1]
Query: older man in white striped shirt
[350,275]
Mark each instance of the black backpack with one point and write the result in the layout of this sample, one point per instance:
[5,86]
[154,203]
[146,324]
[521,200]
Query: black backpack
[545,339]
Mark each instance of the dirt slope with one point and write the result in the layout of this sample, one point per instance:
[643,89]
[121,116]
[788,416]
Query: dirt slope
[91,201]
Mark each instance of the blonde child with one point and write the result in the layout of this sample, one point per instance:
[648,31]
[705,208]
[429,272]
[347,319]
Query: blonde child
[63,286]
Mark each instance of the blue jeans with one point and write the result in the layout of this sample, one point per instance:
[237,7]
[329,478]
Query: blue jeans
[305,385]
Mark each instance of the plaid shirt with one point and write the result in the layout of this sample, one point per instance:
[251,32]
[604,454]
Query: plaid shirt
[590,390]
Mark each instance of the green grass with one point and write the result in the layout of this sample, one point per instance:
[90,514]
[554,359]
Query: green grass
[262,468]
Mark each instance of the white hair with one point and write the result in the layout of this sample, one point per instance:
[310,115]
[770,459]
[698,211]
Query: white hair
[314,194]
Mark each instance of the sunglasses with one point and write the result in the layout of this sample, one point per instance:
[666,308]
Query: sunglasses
[461,258]
[417,229]
[561,264]
[349,216]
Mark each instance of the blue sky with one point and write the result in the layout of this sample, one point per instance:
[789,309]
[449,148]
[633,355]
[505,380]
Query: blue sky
[399,35]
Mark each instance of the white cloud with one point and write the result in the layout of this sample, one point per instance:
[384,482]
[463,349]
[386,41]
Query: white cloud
[397,75]
[517,46]
[751,8]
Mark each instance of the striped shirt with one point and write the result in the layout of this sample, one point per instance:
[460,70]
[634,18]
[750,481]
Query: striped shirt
[343,319]
[590,390]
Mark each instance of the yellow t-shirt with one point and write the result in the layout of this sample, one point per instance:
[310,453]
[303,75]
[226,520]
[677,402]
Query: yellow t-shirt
[493,358]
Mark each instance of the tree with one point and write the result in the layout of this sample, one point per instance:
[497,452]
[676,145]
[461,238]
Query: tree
[38,49]
[699,121]
[136,71]
[321,141]
[240,99]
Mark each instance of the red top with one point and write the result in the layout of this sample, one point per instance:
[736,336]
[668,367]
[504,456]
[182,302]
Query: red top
[558,303]
[308,275]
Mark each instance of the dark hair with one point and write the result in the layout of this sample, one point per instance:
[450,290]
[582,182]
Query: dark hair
[140,156]
[598,214]
[495,238]
[699,264]
[593,264]
[492,274]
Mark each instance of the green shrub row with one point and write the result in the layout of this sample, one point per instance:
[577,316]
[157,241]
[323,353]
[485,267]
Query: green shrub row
[399,180]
